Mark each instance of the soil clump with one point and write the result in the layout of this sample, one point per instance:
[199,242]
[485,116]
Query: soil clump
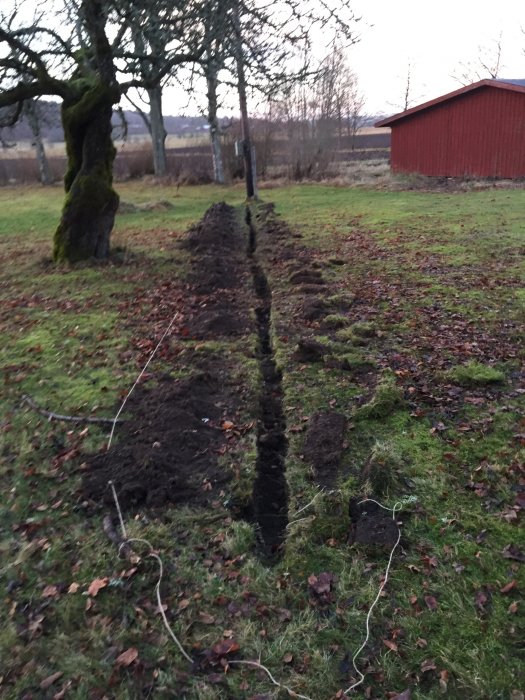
[324,445]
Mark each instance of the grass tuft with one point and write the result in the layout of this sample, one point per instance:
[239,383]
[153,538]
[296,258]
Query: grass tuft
[387,398]
[335,321]
[475,374]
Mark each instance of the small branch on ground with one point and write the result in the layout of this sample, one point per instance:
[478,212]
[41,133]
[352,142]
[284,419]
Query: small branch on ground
[69,419]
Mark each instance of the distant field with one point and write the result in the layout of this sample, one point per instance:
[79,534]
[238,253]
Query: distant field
[191,157]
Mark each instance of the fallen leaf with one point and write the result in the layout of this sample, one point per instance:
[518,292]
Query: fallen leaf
[206,618]
[288,658]
[421,643]
[482,599]
[443,680]
[224,647]
[183,604]
[431,602]
[390,645]
[511,551]
[73,587]
[405,695]
[284,614]
[97,584]
[428,665]
[127,657]
[50,592]
[227,425]
[508,587]
[47,682]
[513,608]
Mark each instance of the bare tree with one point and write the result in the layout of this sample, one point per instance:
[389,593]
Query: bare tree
[34,59]
[407,95]
[33,112]
[317,109]
[82,71]
[488,64]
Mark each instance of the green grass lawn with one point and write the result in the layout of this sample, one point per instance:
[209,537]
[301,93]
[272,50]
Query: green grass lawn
[436,318]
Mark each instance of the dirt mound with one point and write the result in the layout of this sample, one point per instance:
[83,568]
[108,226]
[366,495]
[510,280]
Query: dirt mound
[370,525]
[168,450]
[219,275]
[324,445]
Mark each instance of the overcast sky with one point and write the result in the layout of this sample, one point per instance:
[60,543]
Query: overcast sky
[435,38]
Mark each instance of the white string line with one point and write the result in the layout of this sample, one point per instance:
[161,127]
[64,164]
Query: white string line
[140,377]
[121,519]
[309,504]
[381,587]
[172,634]
[256,664]
[155,556]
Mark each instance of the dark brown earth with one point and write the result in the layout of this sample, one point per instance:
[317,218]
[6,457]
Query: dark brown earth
[324,445]
[371,525]
[168,450]
[301,315]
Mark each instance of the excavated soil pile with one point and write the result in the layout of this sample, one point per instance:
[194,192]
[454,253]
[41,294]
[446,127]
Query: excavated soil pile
[324,445]
[168,449]
[220,275]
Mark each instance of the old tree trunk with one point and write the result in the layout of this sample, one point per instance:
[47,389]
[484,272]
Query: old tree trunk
[157,130]
[88,99]
[91,202]
[213,121]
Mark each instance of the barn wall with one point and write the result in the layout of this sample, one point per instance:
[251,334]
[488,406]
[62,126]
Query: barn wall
[480,133]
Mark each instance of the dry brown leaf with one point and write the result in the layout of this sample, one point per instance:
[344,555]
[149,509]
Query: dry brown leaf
[509,586]
[73,587]
[50,592]
[97,584]
[206,618]
[390,645]
[431,602]
[127,657]
[428,665]
[47,682]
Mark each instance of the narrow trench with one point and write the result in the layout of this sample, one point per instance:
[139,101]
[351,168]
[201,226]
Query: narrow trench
[270,493]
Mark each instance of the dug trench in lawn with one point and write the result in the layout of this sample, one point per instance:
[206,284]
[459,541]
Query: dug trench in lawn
[180,430]
[304,296]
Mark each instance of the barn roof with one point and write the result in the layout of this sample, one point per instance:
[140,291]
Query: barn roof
[515,85]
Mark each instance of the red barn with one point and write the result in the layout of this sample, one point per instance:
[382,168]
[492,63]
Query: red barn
[477,130]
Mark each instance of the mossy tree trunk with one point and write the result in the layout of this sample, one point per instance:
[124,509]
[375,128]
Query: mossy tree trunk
[91,202]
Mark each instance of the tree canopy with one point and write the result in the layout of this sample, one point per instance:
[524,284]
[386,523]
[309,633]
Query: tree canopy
[112,46]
